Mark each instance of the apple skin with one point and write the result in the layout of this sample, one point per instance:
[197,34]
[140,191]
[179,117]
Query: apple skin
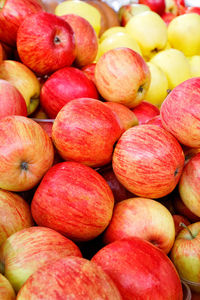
[6,290]
[127,117]
[140,270]
[11,101]
[156,5]
[122,76]
[63,86]
[144,218]
[26,153]
[168,17]
[24,80]
[185,254]
[78,193]
[28,249]
[15,214]
[182,209]
[89,71]
[180,110]
[189,185]
[145,111]
[192,9]
[155,121]
[148,161]
[85,130]
[85,38]
[69,278]
[177,220]
[119,191]
[46,35]
[127,11]
[12,15]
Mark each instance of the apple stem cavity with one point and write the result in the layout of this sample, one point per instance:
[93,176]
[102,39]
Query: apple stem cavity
[57,40]
[186,227]
[24,166]
[140,90]
[2,2]
[168,91]
[175,172]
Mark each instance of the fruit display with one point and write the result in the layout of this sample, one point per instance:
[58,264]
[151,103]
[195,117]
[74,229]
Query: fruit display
[99,150]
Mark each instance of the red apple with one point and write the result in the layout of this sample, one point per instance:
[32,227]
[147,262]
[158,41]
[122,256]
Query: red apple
[12,14]
[189,186]
[155,121]
[63,86]
[145,111]
[140,270]
[144,218]
[85,130]
[183,210]
[28,249]
[180,112]
[74,200]
[26,153]
[168,17]
[89,71]
[15,214]
[119,191]
[85,37]
[127,117]
[178,220]
[69,278]
[1,53]
[46,43]
[11,101]
[156,5]
[189,153]
[148,161]
[6,290]
[192,9]
[122,76]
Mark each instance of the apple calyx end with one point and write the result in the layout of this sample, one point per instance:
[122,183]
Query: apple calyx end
[56,40]
[24,166]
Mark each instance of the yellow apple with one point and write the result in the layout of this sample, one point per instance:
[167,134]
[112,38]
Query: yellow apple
[112,30]
[117,40]
[183,33]
[24,80]
[174,64]
[158,86]
[150,31]
[194,62]
[6,290]
[83,9]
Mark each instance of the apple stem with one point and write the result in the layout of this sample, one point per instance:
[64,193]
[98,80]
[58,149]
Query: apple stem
[186,227]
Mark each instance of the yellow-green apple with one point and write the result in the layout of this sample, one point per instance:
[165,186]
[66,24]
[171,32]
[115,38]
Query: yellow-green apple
[145,111]
[83,9]
[15,214]
[182,209]
[178,221]
[12,14]
[24,80]
[69,278]
[183,33]
[119,191]
[185,254]
[155,5]
[85,130]
[85,38]
[127,117]
[155,121]
[127,11]
[157,91]
[28,249]
[11,101]
[89,71]
[171,61]
[148,161]
[150,31]
[142,217]
[116,40]
[46,35]
[189,185]
[74,200]
[64,85]
[180,112]
[26,153]
[140,270]
[111,31]
[194,62]
[6,290]
[122,76]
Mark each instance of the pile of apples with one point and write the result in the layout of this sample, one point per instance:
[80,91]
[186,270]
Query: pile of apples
[99,152]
